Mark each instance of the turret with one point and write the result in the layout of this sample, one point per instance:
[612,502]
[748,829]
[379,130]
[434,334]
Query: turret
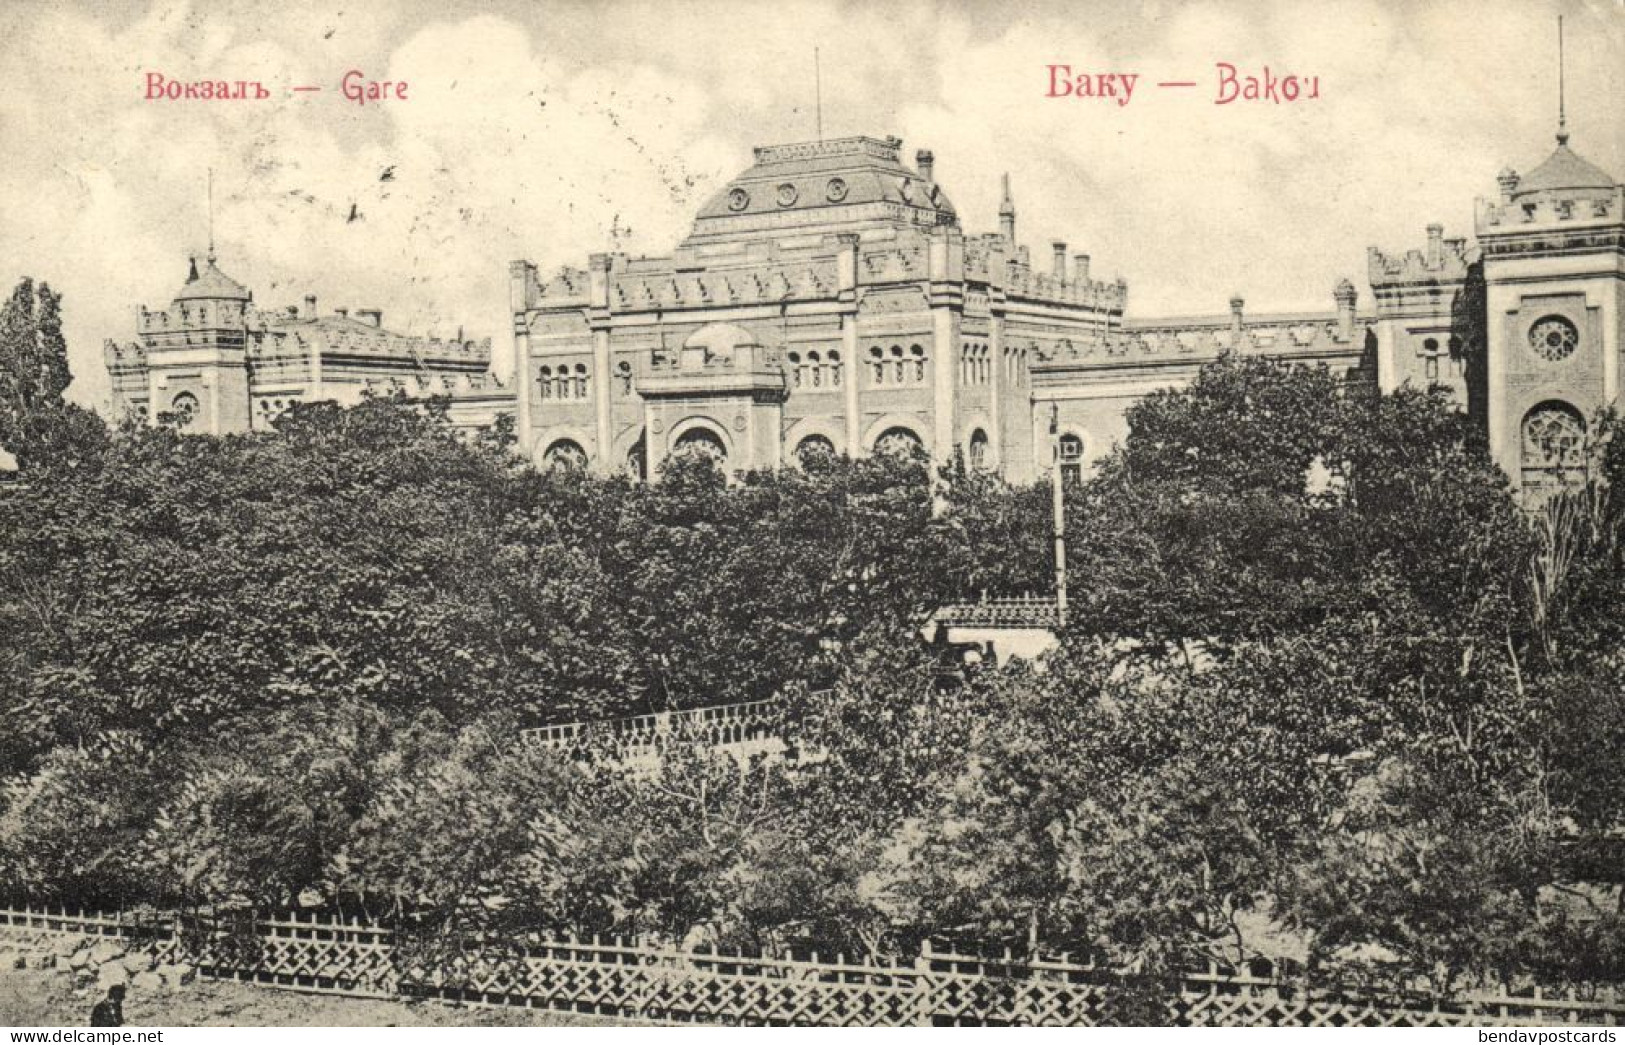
[1007,215]
[1346,296]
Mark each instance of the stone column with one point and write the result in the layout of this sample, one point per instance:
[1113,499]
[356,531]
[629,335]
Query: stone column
[520,275]
[846,270]
[947,298]
[995,388]
[599,317]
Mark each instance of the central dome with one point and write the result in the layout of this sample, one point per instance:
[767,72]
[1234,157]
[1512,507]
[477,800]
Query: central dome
[838,185]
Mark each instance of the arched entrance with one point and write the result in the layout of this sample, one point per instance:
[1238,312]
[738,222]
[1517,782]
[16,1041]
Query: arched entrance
[637,459]
[565,454]
[1552,455]
[899,442]
[701,442]
[814,448]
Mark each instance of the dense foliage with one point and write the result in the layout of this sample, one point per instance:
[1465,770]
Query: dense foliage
[1326,694]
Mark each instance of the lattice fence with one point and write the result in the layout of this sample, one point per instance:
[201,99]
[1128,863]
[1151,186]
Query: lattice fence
[315,953]
[754,727]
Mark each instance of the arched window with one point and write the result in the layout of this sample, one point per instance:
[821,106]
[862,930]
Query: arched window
[623,374]
[815,369]
[834,369]
[565,455]
[978,449]
[637,459]
[183,410]
[814,448]
[917,357]
[545,379]
[794,359]
[899,442]
[1553,450]
[1070,449]
[581,381]
[899,368]
[877,364]
[700,442]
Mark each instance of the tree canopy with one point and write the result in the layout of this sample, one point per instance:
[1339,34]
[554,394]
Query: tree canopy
[1327,694]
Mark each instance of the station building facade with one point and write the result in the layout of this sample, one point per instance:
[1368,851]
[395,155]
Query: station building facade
[828,298]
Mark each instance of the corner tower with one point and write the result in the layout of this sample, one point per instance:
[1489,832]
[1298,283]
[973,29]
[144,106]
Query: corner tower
[196,354]
[1553,246]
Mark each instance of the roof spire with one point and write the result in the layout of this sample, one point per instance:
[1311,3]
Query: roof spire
[1009,205]
[211,215]
[818,93]
[1562,110]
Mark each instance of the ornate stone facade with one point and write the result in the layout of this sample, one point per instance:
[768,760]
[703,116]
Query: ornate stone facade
[214,363]
[828,298]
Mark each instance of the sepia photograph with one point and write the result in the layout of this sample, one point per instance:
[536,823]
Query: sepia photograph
[589,514]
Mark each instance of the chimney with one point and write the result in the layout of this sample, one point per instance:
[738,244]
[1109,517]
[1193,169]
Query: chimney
[1059,246]
[371,316]
[925,163]
[1236,303]
[342,313]
[1508,180]
[1345,296]
[1080,268]
[1435,245]
[310,306]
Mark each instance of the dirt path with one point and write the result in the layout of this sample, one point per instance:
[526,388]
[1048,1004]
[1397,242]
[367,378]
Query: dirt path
[46,998]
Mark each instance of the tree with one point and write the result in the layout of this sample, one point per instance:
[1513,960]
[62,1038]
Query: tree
[35,423]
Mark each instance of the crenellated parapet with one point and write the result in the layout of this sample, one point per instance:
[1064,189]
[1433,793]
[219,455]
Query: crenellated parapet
[126,355]
[1556,210]
[569,286]
[990,260]
[1443,261]
[768,283]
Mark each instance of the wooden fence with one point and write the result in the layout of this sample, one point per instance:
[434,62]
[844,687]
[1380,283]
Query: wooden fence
[665,984]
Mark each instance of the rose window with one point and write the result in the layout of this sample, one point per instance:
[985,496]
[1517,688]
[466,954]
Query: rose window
[1554,338]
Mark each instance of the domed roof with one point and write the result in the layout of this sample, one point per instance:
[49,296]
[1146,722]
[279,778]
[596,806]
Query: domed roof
[814,186]
[211,284]
[1565,171]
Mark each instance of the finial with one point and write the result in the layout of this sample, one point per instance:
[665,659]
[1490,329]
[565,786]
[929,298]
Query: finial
[1562,110]
[1009,205]
[818,92]
[191,275]
[211,215]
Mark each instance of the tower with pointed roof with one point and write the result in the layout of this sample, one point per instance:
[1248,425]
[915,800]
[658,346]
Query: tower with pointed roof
[196,353]
[213,363]
[1553,247]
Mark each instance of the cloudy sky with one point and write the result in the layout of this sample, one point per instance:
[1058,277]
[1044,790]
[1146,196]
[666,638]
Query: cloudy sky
[548,130]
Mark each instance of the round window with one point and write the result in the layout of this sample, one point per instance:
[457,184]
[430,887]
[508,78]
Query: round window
[1554,338]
